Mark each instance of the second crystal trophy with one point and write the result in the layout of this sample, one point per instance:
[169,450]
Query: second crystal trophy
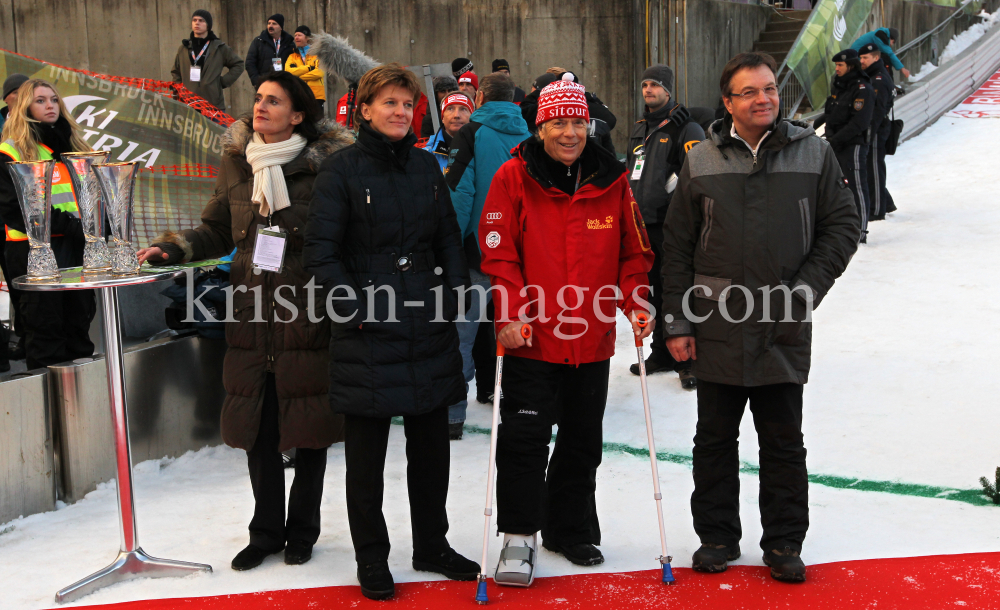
[117,182]
[33,183]
[96,258]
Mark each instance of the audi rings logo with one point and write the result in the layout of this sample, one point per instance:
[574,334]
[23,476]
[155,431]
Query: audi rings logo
[494,215]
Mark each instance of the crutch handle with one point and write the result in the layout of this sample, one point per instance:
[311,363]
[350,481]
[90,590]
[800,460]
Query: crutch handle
[525,332]
[641,320]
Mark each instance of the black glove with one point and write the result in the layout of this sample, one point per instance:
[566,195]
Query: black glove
[175,254]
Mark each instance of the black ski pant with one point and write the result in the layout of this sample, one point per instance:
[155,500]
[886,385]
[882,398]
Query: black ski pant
[15,295]
[536,396]
[658,351]
[853,161]
[876,175]
[784,483]
[268,529]
[428,458]
[484,354]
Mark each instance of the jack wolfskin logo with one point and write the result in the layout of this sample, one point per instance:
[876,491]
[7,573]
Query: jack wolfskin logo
[595,223]
[664,140]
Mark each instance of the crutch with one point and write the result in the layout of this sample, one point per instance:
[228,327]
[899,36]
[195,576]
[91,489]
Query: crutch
[481,586]
[642,320]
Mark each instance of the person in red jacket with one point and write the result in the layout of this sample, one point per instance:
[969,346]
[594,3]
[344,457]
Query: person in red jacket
[564,245]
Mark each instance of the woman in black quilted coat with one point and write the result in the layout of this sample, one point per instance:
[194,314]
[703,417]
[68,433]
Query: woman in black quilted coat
[383,242]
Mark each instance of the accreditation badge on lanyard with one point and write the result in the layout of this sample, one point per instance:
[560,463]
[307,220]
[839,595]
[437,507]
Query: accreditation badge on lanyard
[196,69]
[640,160]
[269,249]
[276,62]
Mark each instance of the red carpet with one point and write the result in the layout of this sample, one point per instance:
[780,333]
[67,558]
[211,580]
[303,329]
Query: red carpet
[913,583]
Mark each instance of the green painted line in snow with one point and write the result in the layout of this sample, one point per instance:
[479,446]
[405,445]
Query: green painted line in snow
[968,496]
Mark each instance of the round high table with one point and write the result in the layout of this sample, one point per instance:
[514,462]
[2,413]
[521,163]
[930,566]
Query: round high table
[132,561]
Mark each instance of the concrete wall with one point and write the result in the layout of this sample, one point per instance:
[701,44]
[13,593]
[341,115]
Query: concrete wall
[602,41]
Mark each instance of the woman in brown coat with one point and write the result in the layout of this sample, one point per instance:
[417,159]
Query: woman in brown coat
[275,371]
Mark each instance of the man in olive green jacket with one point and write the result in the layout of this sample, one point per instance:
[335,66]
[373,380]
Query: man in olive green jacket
[201,59]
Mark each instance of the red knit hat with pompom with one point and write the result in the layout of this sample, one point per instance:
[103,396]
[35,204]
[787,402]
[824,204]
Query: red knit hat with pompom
[562,99]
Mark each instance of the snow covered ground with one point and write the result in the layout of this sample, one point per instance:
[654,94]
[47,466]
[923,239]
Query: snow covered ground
[903,388]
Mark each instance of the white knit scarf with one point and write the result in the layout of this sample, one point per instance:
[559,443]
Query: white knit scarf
[269,188]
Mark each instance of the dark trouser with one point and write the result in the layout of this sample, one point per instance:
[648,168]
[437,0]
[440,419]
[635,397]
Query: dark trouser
[853,162]
[428,458]
[268,529]
[538,395]
[784,484]
[876,176]
[658,350]
[56,326]
[484,354]
[15,295]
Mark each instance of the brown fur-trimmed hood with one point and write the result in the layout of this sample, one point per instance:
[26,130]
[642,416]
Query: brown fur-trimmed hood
[333,137]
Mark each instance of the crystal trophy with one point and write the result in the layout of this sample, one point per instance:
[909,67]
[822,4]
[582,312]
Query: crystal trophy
[96,258]
[117,182]
[33,183]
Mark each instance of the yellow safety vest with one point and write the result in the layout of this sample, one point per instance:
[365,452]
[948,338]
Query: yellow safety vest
[62,186]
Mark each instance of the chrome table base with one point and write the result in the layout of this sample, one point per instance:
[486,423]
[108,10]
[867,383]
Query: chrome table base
[132,561]
[136,564]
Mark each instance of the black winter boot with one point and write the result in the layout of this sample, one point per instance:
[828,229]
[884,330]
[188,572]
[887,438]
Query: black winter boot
[714,558]
[297,553]
[455,431]
[655,364]
[581,554]
[786,565]
[376,580]
[449,563]
[250,557]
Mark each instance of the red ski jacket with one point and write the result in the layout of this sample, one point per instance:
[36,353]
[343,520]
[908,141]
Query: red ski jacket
[571,252]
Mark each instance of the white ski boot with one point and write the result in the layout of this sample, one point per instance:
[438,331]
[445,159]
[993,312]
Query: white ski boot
[517,560]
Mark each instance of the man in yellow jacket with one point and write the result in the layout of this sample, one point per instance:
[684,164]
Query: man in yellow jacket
[306,66]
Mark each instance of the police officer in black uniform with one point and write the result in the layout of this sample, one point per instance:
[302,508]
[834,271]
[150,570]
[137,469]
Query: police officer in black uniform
[871,61]
[657,149]
[849,112]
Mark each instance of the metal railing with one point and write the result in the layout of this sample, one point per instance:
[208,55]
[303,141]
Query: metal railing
[947,86]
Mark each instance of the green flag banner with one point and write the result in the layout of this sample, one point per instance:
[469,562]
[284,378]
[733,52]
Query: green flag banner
[832,27]
[177,145]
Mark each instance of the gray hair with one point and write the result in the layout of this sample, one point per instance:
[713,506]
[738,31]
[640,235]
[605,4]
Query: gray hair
[497,87]
[443,84]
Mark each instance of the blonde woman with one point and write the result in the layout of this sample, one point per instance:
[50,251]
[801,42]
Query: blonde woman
[56,325]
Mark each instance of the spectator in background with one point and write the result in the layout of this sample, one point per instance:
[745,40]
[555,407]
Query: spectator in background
[201,59]
[460,66]
[503,66]
[478,151]
[884,39]
[529,107]
[306,66]
[657,150]
[269,51]
[455,112]
[468,84]
[10,87]
[443,87]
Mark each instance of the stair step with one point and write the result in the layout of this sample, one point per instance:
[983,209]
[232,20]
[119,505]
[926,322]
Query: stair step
[785,26]
[773,47]
[778,58]
[779,36]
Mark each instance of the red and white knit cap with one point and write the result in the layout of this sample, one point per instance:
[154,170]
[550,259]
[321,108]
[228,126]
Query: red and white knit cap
[471,78]
[562,99]
[457,98]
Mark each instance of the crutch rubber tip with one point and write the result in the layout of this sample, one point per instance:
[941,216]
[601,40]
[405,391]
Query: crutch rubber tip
[481,592]
[668,575]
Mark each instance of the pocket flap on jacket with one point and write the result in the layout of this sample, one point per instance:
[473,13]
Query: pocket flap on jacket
[715,286]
